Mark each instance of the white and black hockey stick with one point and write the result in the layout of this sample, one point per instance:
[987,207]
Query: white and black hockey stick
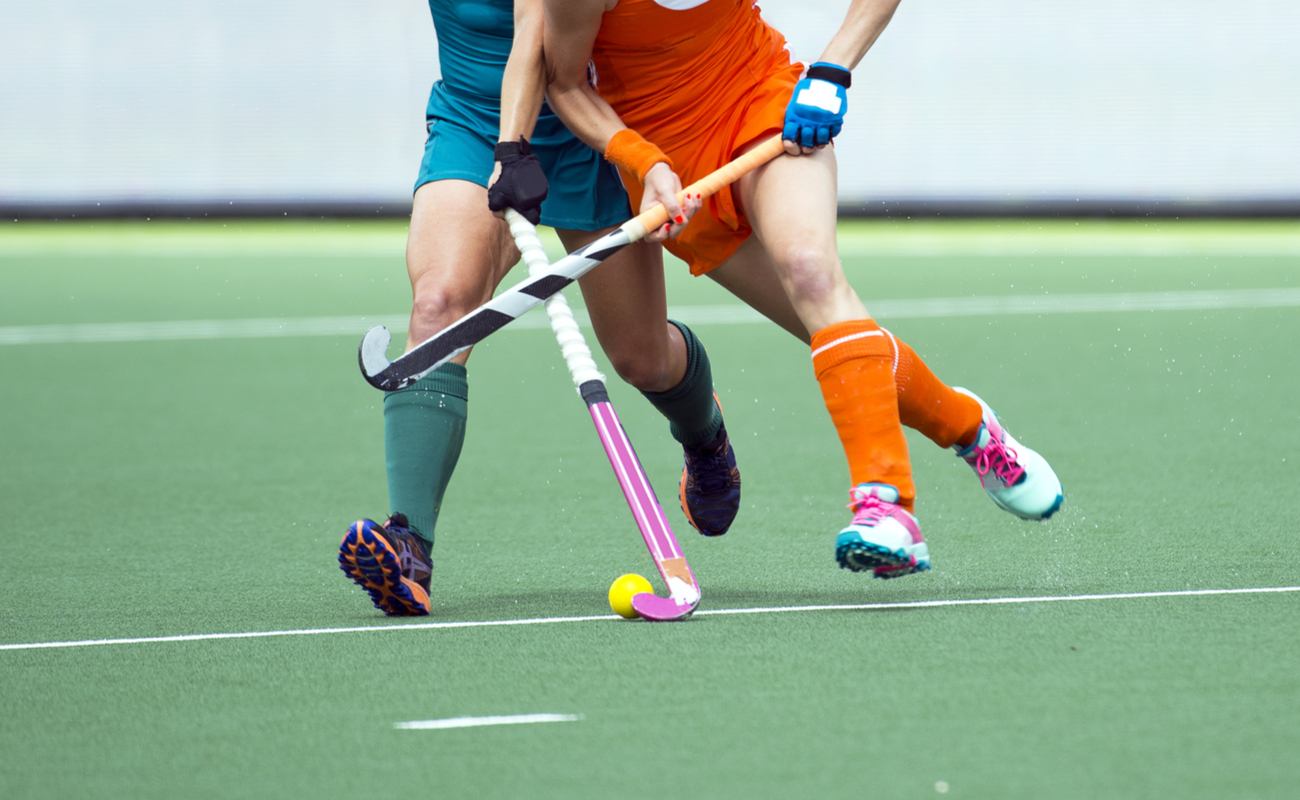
[490,317]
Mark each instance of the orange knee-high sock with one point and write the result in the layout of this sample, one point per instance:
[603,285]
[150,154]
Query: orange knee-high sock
[929,405]
[854,363]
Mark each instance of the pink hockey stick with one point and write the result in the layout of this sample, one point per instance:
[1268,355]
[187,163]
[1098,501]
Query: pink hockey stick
[683,590]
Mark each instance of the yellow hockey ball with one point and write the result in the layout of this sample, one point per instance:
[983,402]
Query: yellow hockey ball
[623,589]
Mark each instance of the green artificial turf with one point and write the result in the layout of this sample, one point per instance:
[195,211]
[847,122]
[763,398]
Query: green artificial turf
[165,487]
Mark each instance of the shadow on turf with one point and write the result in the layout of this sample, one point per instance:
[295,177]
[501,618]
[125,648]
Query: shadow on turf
[525,605]
[581,602]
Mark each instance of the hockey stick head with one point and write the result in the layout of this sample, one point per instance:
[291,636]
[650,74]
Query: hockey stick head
[372,356]
[684,596]
[663,609]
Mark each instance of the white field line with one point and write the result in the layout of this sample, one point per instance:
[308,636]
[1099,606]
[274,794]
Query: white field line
[483,722]
[889,310]
[720,612]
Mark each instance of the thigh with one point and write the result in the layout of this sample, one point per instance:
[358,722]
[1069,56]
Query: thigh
[457,252]
[791,203]
[792,200]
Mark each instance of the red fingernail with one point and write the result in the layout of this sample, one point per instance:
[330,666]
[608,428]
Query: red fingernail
[679,219]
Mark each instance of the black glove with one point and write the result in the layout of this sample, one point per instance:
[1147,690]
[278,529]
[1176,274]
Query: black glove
[522,183]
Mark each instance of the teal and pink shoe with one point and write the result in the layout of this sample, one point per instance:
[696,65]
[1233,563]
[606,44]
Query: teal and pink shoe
[883,536]
[391,562]
[1016,478]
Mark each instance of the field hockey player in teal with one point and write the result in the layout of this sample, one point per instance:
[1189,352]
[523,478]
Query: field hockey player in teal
[457,253]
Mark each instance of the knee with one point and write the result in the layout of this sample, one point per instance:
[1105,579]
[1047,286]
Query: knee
[642,368]
[436,305]
[813,273]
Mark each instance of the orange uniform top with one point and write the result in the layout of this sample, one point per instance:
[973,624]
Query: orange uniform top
[701,82]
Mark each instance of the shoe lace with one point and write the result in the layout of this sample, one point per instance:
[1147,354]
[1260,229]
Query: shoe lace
[1001,460]
[867,508]
[411,556]
[710,469]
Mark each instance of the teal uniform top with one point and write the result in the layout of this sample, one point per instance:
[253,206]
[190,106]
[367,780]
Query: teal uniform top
[474,38]
[464,121]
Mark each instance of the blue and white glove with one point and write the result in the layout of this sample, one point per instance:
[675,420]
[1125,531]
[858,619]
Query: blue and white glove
[816,111]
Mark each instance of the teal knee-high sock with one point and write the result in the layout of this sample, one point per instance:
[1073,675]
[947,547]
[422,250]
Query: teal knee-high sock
[424,427]
[693,414]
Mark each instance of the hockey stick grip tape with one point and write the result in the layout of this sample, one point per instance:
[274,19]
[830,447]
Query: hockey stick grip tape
[573,345]
[722,177]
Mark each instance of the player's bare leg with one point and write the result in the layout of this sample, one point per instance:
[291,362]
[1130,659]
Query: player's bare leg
[668,363]
[751,276]
[791,203]
[627,302]
[456,254]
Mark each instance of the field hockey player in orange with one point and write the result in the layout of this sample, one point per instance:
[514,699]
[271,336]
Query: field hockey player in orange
[669,90]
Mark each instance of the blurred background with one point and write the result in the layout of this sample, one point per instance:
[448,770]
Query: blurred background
[145,107]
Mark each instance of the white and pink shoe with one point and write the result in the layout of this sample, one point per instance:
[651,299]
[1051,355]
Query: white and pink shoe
[1017,478]
[883,536]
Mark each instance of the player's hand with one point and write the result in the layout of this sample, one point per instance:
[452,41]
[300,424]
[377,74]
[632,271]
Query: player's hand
[815,114]
[517,181]
[662,186]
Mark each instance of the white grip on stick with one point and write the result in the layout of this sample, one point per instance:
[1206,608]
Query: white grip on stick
[577,356]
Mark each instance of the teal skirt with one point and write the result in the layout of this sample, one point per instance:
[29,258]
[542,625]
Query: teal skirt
[585,191]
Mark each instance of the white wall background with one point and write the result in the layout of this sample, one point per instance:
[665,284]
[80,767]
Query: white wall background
[323,100]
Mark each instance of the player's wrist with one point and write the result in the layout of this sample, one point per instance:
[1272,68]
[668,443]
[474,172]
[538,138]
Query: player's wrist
[834,73]
[629,151]
[512,149]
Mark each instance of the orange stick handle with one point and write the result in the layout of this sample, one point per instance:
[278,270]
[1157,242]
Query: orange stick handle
[722,177]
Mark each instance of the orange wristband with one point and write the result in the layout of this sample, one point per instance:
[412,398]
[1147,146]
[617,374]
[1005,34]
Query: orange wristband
[628,150]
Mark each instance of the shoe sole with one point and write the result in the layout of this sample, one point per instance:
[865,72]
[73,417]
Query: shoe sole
[857,555]
[1046,515]
[1056,506]
[372,563]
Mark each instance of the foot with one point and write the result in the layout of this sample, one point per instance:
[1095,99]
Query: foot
[1018,479]
[883,536]
[710,485]
[391,563]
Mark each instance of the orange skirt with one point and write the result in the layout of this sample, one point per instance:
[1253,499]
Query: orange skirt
[719,228]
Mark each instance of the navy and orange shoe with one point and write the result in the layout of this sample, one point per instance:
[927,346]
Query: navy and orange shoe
[391,562]
[710,487]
